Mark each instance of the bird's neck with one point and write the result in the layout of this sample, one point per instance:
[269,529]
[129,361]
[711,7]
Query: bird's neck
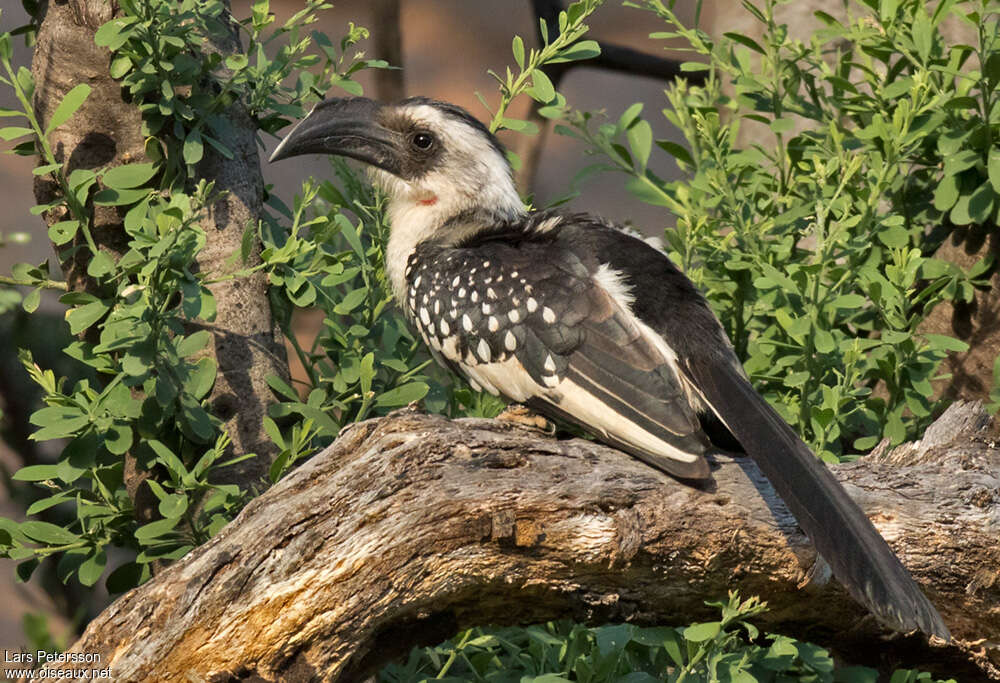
[413,222]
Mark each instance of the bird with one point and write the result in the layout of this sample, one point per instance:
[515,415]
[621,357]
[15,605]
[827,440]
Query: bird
[584,321]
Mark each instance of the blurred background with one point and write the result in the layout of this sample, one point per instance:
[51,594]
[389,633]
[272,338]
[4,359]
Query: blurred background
[447,47]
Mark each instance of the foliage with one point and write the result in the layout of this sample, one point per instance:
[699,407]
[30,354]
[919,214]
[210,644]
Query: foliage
[142,328]
[729,650]
[813,244]
[143,324]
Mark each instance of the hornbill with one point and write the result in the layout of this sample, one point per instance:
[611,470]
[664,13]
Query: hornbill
[578,319]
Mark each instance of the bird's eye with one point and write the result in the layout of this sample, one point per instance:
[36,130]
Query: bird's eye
[422,141]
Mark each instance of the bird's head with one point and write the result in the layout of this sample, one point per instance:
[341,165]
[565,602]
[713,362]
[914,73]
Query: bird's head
[428,156]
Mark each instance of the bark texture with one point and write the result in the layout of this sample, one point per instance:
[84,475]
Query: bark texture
[106,132]
[413,526]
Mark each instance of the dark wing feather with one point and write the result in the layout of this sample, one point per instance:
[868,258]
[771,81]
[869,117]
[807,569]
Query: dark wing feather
[668,302]
[842,533]
[584,355]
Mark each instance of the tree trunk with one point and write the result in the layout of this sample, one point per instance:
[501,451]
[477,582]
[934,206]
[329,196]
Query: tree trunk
[413,526]
[105,132]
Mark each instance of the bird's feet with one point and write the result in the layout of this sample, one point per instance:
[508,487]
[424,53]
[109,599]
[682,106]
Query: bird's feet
[523,416]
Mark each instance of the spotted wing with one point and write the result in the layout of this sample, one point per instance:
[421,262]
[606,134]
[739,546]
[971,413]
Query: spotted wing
[531,321]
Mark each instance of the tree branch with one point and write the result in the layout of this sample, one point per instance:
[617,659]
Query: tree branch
[413,526]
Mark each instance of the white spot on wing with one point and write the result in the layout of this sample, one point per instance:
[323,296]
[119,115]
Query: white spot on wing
[548,315]
[509,341]
[483,351]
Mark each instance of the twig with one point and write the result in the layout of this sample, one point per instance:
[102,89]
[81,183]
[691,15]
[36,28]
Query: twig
[44,284]
[613,57]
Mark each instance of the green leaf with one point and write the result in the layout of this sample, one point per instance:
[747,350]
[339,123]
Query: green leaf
[70,103]
[541,87]
[14,132]
[585,49]
[781,125]
[118,439]
[894,236]
[46,503]
[113,197]
[173,505]
[993,168]
[30,303]
[698,633]
[942,341]
[402,395]
[611,639]
[128,176]
[45,532]
[63,232]
[351,300]
[676,151]
[981,203]
[166,456]
[202,378]
[640,141]
[194,148]
[517,48]
[193,343]
[36,473]
[120,66]
[112,34]
[57,422]
[100,265]
[922,32]
[946,193]
[149,533]
[745,41]
[92,568]
[849,301]
[824,342]
[82,317]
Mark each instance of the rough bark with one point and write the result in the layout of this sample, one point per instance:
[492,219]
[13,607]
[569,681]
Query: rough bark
[106,132]
[413,526]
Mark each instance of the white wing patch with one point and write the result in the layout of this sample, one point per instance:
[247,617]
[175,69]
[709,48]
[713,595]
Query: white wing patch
[509,378]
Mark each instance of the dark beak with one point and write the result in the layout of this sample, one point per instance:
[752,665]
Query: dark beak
[346,127]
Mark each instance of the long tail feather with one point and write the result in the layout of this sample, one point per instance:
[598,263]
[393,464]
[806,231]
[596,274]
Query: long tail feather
[843,535]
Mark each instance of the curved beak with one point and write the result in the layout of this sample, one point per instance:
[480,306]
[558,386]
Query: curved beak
[346,127]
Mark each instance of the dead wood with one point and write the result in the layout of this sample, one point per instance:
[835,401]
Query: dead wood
[413,526]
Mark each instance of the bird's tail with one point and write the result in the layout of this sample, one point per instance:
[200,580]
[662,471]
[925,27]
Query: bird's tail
[843,535]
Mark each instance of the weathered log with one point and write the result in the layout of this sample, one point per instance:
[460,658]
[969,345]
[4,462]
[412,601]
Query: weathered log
[411,527]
